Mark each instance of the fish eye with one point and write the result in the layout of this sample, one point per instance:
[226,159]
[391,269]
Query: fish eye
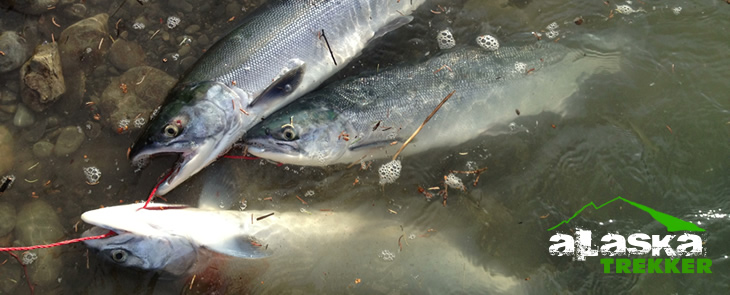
[119,255]
[289,133]
[171,130]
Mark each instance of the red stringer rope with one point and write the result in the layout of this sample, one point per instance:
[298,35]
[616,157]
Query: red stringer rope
[28,248]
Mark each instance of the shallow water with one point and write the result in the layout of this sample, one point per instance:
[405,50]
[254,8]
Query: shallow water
[654,133]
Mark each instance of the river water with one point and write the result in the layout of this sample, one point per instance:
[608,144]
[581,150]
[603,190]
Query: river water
[655,132]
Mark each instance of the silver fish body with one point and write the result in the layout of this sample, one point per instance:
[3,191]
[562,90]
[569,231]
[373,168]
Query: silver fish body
[282,51]
[364,117]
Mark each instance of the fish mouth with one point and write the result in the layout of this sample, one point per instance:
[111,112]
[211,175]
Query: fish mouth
[190,161]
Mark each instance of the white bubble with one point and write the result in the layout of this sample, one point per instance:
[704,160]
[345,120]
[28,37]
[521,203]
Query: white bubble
[139,122]
[488,42]
[553,26]
[676,10]
[173,21]
[520,67]
[309,193]
[386,255]
[389,172]
[138,26]
[29,258]
[552,34]
[445,39]
[454,182]
[92,174]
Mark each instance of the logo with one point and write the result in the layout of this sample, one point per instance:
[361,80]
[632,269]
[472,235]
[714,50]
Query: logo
[680,251]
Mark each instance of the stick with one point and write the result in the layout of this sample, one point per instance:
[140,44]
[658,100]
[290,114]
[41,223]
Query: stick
[424,123]
[328,47]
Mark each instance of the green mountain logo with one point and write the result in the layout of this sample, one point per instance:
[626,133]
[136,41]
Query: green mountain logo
[672,223]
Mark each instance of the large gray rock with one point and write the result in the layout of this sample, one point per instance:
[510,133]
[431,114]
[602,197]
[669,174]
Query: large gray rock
[15,51]
[146,88]
[125,55]
[69,141]
[6,150]
[42,78]
[38,224]
[79,44]
[23,116]
[31,6]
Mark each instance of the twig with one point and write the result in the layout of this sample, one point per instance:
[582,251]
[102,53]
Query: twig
[328,47]
[262,217]
[424,123]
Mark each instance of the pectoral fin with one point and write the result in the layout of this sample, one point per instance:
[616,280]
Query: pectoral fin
[286,82]
[242,247]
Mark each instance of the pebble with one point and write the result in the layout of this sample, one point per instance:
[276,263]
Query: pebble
[43,149]
[69,141]
[125,55]
[184,50]
[16,52]
[192,29]
[23,116]
[6,150]
[35,132]
[7,218]
[7,96]
[76,11]
[181,5]
[33,6]
[80,49]
[203,40]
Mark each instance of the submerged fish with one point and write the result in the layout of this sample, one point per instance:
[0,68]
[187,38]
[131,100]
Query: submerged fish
[291,250]
[369,116]
[281,52]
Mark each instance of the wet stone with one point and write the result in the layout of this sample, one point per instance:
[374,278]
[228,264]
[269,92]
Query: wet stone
[33,6]
[92,129]
[75,11]
[37,223]
[80,49]
[7,96]
[7,218]
[146,88]
[181,5]
[15,49]
[23,117]
[42,78]
[6,150]
[192,29]
[203,40]
[43,149]
[35,132]
[69,141]
[125,55]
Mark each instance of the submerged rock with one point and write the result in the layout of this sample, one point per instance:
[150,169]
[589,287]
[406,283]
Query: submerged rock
[42,78]
[6,150]
[69,141]
[42,149]
[38,224]
[130,97]
[23,117]
[7,218]
[79,44]
[125,55]
[15,49]
[32,6]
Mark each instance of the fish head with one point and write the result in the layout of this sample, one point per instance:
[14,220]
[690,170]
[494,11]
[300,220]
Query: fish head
[300,134]
[199,122]
[171,255]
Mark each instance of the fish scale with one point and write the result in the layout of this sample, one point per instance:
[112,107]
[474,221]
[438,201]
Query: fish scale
[488,87]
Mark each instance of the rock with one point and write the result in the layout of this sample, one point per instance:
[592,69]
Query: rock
[79,44]
[7,96]
[9,108]
[184,50]
[15,49]
[76,11]
[10,276]
[42,78]
[7,218]
[192,29]
[42,149]
[6,150]
[181,5]
[35,132]
[37,223]
[125,55]
[130,109]
[69,141]
[33,6]
[203,40]
[23,117]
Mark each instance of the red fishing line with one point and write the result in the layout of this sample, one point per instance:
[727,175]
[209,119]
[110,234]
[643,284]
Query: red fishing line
[154,190]
[28,248]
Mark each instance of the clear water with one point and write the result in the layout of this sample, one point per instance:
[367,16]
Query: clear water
[655,133]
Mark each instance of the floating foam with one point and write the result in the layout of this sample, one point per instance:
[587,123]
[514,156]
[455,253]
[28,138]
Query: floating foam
[389,172]
[445,39]
[488,42]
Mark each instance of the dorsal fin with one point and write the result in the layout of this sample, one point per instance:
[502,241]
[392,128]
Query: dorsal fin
[286,82]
